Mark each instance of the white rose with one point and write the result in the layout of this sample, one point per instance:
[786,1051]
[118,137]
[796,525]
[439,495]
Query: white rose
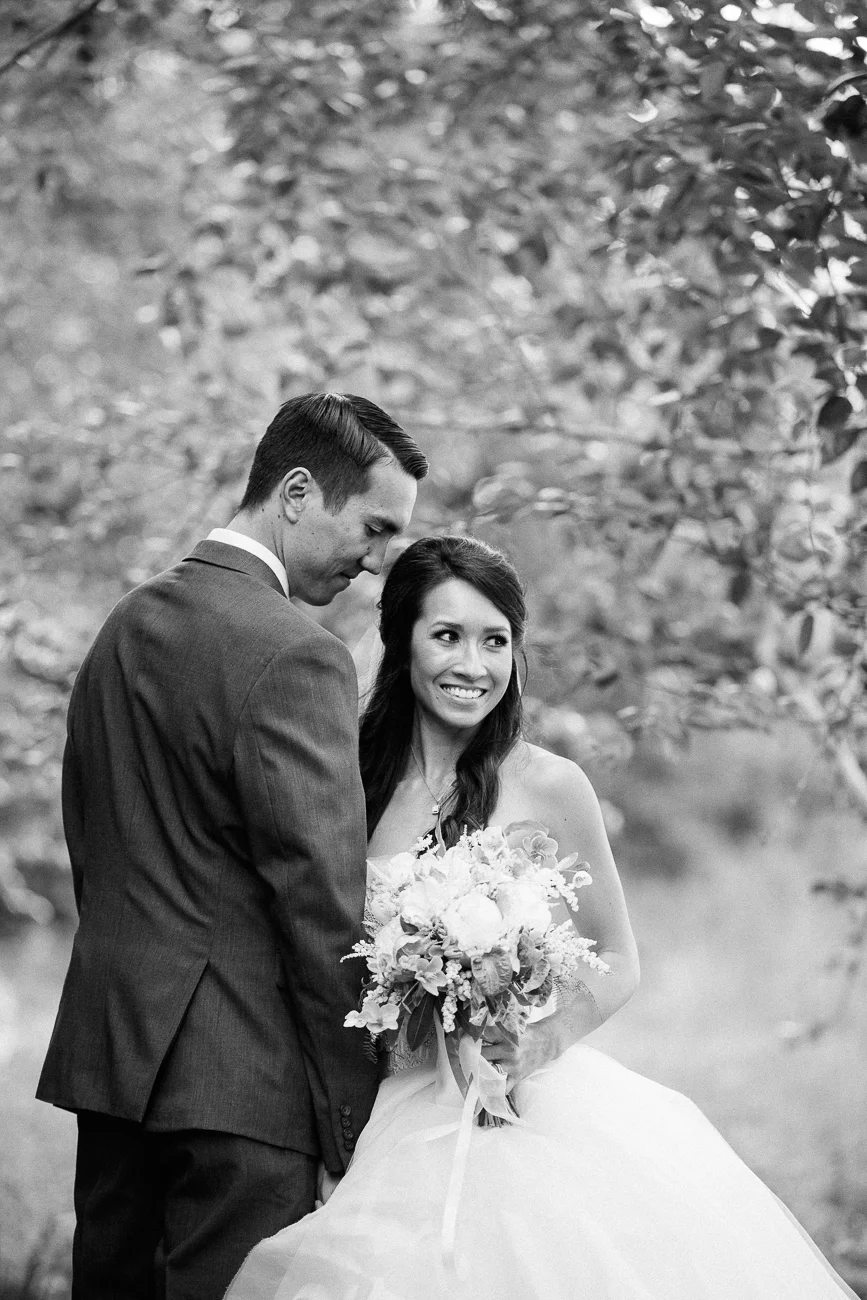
[474,923]
[455,878]
[396,871]
[382,908]
[524,904]
[423,901]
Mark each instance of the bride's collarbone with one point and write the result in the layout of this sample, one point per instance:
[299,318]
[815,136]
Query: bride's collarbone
[413,811]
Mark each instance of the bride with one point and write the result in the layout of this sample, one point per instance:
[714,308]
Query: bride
[611,1187]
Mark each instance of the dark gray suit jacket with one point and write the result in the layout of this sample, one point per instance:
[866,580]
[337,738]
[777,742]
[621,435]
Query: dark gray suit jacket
[214,815]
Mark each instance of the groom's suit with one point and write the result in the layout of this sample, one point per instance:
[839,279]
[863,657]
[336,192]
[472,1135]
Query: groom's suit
[214,815]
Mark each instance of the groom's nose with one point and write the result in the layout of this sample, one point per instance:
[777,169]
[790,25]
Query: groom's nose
[372,563]
[374,559]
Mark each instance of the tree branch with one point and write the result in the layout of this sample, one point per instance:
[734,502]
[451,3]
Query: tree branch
[50,34]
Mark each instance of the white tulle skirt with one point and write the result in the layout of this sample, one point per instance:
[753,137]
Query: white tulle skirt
[614,1188]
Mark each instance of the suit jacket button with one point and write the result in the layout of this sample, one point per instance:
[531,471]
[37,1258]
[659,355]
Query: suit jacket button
[345,1110]
[348,1141]
[347,1123]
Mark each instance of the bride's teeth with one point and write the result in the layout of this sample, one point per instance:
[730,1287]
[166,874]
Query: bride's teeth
[462,693]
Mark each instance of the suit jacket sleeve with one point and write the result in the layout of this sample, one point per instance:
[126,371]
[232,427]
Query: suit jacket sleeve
[73,826]
[296,771]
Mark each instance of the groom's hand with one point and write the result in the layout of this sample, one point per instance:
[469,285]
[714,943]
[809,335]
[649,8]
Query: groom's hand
[325,1185]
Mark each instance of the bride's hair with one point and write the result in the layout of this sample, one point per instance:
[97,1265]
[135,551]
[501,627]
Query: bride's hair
[386,724]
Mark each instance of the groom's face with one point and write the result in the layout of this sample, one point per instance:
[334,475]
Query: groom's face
[336,547]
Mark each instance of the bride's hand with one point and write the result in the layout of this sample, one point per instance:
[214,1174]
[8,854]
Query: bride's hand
[325,1185]
[536,1047]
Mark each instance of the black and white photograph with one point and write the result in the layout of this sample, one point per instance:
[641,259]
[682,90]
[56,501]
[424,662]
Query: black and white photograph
[433,646]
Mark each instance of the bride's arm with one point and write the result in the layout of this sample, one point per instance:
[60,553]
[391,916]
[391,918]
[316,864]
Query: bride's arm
[568,806]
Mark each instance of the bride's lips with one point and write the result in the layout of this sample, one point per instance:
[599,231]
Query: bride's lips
[449,689]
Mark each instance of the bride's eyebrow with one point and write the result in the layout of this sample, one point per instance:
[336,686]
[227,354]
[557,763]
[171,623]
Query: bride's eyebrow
[499,629]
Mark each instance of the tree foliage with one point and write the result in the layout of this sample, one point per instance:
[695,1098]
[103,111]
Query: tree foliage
[607,262]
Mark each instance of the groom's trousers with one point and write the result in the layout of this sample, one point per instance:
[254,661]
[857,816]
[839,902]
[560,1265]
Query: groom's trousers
[196,1201]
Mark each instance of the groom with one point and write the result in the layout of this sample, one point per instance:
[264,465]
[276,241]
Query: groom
[214,815]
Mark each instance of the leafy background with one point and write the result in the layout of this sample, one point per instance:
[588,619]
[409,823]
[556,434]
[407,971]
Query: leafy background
[606,263]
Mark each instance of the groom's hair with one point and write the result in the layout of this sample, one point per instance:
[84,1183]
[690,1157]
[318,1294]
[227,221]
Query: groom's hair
[337,437]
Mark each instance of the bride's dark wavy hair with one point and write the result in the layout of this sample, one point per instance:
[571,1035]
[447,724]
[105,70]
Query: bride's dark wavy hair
[386,724]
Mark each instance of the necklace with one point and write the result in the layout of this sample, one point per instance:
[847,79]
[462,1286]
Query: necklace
[438,799]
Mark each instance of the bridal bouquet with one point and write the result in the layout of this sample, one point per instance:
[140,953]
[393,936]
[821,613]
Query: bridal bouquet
[465,935]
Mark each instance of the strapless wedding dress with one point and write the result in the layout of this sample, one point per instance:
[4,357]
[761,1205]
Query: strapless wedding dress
[611,1188]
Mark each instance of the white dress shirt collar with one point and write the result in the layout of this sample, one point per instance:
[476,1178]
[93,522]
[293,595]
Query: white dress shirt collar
[232,538]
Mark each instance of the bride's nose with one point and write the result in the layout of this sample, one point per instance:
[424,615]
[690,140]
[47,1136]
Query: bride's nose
[470,662]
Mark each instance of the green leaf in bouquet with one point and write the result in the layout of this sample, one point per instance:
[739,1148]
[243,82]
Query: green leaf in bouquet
[539,996]
[508,1022]
[537,976]
[492,972]
[479,1015]
[464,1025]
[509,1034]
[529,951]
[420,1022]
[415,995]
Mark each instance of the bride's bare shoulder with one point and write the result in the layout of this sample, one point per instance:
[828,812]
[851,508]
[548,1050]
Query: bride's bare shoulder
[547,788]
[547,778]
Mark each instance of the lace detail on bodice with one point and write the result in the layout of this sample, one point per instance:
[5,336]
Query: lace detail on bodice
[399,1057]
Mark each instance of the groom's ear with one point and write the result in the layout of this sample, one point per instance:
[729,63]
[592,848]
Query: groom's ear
[294,493]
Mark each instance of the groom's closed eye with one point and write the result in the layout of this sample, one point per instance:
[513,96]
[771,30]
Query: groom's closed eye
[379,525]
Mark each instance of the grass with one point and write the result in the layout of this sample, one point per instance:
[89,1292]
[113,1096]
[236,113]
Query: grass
[734,951]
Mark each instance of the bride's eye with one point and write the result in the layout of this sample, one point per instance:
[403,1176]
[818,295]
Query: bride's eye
[498,642]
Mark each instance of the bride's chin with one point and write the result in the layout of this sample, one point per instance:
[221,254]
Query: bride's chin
[455,718]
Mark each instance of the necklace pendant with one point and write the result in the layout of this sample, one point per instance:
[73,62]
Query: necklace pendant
[435,808]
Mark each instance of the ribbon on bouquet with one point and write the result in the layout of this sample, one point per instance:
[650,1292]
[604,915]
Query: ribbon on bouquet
[486,1089]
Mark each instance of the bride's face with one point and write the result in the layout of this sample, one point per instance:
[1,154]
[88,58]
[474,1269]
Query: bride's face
[460,655]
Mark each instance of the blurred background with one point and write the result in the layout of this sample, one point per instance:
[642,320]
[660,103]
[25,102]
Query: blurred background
[606,263]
